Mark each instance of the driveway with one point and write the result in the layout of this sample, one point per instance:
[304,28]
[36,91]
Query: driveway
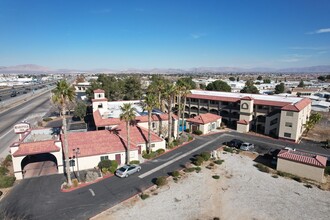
[41,198]
[39,169]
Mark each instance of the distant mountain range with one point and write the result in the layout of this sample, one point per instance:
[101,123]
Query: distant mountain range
[36,69]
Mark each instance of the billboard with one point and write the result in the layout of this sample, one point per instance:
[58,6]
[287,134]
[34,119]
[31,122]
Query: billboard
[21,128]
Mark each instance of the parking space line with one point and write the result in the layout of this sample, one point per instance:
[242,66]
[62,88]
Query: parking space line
[93,194]
[176,159]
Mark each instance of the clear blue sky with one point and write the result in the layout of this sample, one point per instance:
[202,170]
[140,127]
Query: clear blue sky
[123,34]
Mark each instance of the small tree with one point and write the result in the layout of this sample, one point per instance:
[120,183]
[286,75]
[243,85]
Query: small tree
[80,110]
[232,78]
[279,88]
[313,120]
[259,78]
[301,84]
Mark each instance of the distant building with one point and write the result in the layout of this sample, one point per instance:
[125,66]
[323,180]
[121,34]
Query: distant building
[277,116]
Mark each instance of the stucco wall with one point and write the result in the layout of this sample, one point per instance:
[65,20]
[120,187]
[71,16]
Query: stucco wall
[299,169]
[243,128]
[158,145]
[160,128]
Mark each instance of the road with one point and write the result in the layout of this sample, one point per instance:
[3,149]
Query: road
[31,110]
[41,198]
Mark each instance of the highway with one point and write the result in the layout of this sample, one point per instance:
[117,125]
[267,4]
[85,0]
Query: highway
[31,110]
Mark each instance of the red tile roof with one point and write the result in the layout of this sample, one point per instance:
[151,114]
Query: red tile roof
[243,122]
[36,148]
[138,135]
[204,118]
[297,107]
[305,158]
[215,98]
[97,143]
[102,122]
[100,100]
[154,117]
[247,98]
[98,91]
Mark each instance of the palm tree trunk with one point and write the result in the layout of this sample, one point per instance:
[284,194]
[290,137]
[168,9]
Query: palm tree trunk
[183,110]
[169,120]
[149,131]
[128,144]
[179,114]
[66,147]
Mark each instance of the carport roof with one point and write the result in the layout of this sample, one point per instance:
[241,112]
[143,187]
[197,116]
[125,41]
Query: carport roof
[38,147]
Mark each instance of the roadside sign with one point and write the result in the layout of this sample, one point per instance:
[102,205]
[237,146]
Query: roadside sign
[21,128]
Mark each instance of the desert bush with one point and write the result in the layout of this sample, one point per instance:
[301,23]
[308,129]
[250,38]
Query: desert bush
[47,119]
[161,181]
[75,183]
[211,164]
[134,162]
[198,169]
[7,181]
[262,168]
[205,155]
[190,137]
[198,132]
[327,170]
[219,162]
[104,164]
[274,176]
[160,151]
[297,178]
[175,173]
[189,170]
[228,149]
[187,130]
[216,177]
[175,143]
[150,155]
[3,171]
[112,169]
[6,162]
[91,176]
[108,165]
[144,196]
[308,186]
[283,174]
[198,160]
[105,170]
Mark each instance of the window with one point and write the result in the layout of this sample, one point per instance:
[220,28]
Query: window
[213,102]
[274,121]
[99,95]
[288,124]
[193,100]
[224,103]
[153,145]
[288,135]
[245,106]
[104,158]
[213,125]
[153,125]
[100,105]
[289,114]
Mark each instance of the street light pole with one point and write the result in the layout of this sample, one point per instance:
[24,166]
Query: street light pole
[77,152]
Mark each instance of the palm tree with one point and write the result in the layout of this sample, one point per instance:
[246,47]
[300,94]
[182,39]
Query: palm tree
[169,94]
[62,94]
[185,92]
[150,102]
[128,115]
[179,95]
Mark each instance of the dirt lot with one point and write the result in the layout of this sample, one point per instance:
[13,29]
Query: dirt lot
[242,192]
[321,131]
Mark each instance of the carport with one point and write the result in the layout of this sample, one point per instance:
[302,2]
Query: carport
[33,159]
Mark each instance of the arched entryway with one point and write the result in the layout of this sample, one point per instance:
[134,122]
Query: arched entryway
[39,165]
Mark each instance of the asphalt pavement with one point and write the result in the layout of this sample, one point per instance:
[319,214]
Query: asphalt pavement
[41,198]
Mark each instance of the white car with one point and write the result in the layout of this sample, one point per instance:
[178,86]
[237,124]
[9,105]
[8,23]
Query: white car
[127,170]
[246,146]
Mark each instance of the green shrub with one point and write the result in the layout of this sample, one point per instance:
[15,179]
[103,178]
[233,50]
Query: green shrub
[262,168]
[104,170]
[198,132]
[216,177]
[327,170]
[6,162]
[190,138]
[205,155]
[75,183]
[108,165]
[144,196]
[187,130]
[150,155]
[47,119]
[104,164]
[189,170]
[228,149]
[134,162]
[161,181]
[211,164]
[112,169]
[160,151]
[274,176]
[3,171]
[308,186]
[297,178]
[283,174]
[175,143]
[175,173]
[198,169]
[198,160]
[7,181]
[219,162]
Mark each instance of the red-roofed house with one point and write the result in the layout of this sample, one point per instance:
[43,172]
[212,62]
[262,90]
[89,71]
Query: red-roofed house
[302,164]
[204,122]
[277,116]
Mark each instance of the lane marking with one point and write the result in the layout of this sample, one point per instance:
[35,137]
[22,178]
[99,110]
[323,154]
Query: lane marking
[93,194]
[176,159]
[170,158]
[6,133]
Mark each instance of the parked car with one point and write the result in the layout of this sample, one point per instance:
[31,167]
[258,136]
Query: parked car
[246,146]
[127,170]
[234,143]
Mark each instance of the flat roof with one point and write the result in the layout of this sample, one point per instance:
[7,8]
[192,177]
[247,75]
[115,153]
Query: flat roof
[274,98]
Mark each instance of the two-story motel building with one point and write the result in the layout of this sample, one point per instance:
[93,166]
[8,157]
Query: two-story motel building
[277,116]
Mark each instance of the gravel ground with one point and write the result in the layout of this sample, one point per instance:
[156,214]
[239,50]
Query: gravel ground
[242,192]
